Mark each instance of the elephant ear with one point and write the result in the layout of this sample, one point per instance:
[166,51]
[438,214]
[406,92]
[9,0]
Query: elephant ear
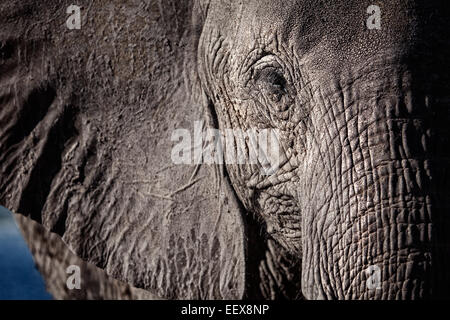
[86,118]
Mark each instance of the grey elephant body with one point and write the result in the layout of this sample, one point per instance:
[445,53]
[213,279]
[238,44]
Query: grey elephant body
[85,143]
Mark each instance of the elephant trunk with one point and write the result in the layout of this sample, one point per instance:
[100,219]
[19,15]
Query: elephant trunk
[376,219]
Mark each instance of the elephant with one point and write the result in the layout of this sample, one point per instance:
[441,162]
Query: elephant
[358,207]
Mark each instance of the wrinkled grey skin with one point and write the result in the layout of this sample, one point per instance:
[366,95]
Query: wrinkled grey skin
[86,118]
[52,258]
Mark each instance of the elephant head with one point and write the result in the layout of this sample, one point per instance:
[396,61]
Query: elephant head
[360,115]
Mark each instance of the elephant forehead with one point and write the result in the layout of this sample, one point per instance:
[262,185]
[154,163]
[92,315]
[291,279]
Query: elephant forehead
[324,33]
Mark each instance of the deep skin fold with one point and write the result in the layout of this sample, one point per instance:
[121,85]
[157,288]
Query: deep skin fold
[364,133]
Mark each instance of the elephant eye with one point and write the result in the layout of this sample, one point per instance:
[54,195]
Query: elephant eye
[270,89]
[272,77]
[271,83]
